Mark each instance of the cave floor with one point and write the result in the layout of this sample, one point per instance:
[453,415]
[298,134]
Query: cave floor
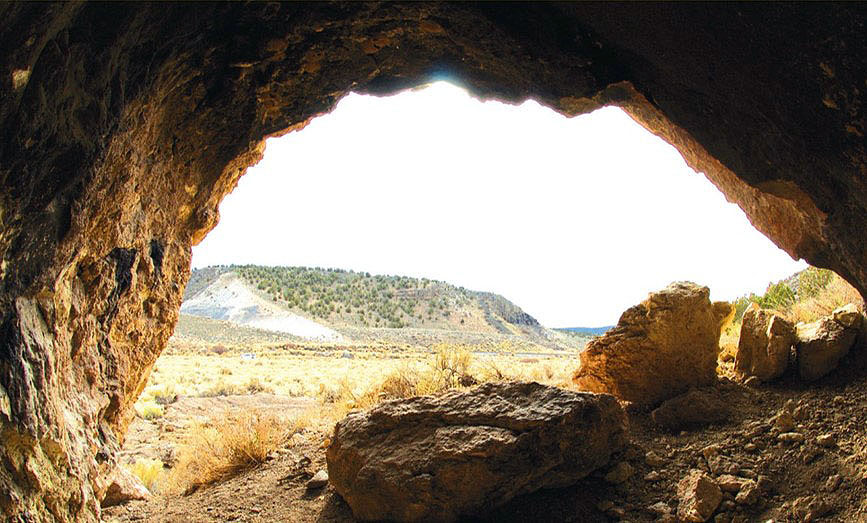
[796,477]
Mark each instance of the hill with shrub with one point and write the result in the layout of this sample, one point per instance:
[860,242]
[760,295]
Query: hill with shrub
[340,298]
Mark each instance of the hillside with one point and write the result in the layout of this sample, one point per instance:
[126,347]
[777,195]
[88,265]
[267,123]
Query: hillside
[315,303]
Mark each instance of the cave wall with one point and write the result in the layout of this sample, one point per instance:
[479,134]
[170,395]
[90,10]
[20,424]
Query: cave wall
[124,125]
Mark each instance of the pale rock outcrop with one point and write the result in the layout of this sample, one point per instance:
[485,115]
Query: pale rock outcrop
[822,344]
[123,486]
[659,348]
[764,345]
[435,458]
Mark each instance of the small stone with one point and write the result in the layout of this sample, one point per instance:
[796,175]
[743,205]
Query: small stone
[753,382]
[699,497]
[319,480]
[833,482]
[791,437]
[710,450]
[619,473]
[826,440]
[722,465]
[749,494]
[750,447]
[653,459]
[660,509]
[817,509]
[784,421]
[757,430]
[730,483]
[764,483]
[695,409]
[839,400]
[124,486]
[800,413]
[652,476]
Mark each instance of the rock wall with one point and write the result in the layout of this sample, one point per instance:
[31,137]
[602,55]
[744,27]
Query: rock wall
[123,126]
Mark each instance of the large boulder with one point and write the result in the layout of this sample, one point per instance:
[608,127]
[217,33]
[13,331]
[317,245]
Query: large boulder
[435,458]
[822,344]
[659,348]
[764,345]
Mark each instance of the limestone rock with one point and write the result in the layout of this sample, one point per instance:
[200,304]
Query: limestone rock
[764,345]
[822,344]
[699,497]
[659,349]
[696,408]
[434,458]
[123,486]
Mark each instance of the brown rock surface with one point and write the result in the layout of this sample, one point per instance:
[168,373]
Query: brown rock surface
[124,125]
[764,345]
[696,408]
[699,497]
[434,458]
[822,344]
[123,486]
[659,349]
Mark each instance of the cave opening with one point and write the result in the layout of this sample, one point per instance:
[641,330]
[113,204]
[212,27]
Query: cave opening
[129,125]
[411,203]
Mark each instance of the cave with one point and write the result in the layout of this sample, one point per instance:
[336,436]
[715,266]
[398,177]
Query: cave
[124,125]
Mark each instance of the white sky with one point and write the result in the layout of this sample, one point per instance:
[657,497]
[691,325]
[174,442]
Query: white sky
[573,219]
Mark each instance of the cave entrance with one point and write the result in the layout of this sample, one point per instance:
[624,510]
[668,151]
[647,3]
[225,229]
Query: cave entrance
[448,193]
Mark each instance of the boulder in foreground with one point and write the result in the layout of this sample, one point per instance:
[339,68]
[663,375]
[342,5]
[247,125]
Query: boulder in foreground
[435,458]
[659,348]
[764,345]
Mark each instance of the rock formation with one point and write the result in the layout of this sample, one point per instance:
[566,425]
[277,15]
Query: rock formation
[764,345]
[659,348]
[822,344]
[434,458]
[124,126]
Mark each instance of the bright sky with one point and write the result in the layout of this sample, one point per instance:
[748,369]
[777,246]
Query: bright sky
[573,219]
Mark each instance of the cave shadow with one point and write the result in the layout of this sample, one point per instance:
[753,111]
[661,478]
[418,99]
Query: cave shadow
[575,504]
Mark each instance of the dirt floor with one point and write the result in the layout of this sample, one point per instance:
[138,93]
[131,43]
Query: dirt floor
[809,480]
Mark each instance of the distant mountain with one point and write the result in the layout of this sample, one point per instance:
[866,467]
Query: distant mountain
[592,331]
[315,303]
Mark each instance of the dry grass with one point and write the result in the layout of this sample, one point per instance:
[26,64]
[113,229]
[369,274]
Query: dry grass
[451,367]
[149,410]
[837,293]
[231,443]
[149,471]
